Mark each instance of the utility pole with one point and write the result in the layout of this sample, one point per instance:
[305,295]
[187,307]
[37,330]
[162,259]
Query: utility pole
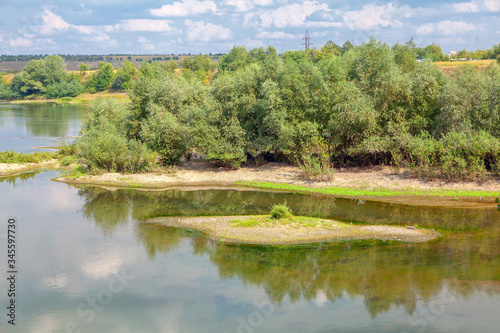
[307,40]
[477,42]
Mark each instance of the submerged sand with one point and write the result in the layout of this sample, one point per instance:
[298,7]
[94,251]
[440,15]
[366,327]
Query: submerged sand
[227,230]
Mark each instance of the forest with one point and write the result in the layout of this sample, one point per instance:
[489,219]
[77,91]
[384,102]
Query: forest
[342,106]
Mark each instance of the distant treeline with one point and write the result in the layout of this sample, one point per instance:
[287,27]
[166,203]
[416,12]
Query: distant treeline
[349,105]
[96,57]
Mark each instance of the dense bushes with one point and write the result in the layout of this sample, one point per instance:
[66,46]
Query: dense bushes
[368,104]
[104,143]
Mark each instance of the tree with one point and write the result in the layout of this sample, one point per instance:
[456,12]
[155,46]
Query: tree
[236,58]
[125,76]
[103,79]
[38,75]
[84,67]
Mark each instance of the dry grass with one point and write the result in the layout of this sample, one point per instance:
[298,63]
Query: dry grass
[476,63]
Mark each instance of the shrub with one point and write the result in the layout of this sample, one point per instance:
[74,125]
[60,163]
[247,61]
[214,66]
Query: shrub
[163,133]
[68,160]
[281,211]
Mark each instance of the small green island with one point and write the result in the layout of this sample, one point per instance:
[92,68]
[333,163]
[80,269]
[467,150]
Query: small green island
[283,228]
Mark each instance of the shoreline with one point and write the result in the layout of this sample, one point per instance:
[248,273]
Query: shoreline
[374,184]
[232,230]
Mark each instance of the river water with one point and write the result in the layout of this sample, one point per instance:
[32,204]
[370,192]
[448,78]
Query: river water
[87,263]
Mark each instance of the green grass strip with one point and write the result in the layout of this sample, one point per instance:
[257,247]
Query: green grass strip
[13,157]
[378,192]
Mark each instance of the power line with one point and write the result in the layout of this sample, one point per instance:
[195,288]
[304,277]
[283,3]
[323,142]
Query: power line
[307,40]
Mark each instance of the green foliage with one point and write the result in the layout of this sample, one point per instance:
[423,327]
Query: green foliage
[124,76]
[281,211]
[349,105]
[84,67]
[67,88]
[45,77]
[14,157]
[163,134]
[68,160]
[103,79]
[104,144]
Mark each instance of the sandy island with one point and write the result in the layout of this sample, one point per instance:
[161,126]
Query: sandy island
[227,229]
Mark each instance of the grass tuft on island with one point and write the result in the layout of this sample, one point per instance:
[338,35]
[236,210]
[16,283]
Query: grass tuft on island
[265,230]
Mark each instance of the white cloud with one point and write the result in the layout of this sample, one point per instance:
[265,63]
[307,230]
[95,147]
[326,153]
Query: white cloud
[185,8]
[103,40]
[322,24]
[465,7]
[372,16]
[492,5]
[246,5]
[52,23]
[454,27]
[426,29]
[141,25]
[290,15]
[20,42]
[145,43]
[199,31]
[275,35]
[446,28]
[475,6]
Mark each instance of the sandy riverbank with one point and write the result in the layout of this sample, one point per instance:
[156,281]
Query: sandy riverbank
[196,174]
[227,229]
[9,169]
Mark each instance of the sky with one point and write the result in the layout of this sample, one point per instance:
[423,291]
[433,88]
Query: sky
[209,26]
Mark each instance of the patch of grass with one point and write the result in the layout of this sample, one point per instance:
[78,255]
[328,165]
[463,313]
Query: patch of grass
[14,157]
[379,192]
[78,171]
[292,221]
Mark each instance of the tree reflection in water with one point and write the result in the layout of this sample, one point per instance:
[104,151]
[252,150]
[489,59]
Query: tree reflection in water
[385,276]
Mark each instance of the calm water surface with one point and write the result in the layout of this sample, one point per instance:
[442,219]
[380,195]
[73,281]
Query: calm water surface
[87,263]
[23,127]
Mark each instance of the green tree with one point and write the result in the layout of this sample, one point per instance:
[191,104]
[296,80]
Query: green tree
[125,75]
[103,79]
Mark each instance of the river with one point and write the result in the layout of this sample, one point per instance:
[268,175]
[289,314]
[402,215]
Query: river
[86,262]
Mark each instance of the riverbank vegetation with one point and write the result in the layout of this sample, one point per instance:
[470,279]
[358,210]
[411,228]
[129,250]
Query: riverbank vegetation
[365,105]
[360,105]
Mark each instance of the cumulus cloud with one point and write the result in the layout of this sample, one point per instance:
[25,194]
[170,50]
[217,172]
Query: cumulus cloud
[52,23]
[275,35]
[185,8]
[145,43]
[446,28]
[20,42]
[373,16]
[206,32]
[289,15]
[465,7]
[492,5]
[141,25]
[475,6]
[426,29]
[246,5]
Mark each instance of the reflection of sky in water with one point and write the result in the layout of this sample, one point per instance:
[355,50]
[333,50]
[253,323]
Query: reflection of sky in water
[24,126]
[66,259]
